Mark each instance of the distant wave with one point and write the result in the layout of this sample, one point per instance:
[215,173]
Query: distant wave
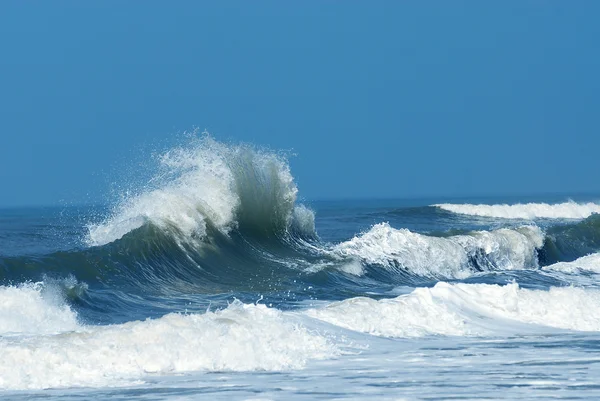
[467,310]
[460,256]
[455,256]
[527,211]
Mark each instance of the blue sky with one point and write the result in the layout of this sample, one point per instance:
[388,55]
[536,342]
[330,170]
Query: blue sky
[376,99]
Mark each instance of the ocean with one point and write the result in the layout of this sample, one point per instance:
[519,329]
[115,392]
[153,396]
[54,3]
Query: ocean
[214,278]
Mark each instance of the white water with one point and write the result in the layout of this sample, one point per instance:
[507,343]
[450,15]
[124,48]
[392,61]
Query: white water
[589,263]
[255,338]
[449,257]
[467,310]
[239,338]
[34,308]
[527,211]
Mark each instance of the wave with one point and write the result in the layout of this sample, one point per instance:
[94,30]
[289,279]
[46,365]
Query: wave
[213,217]
[153,261]
[254,337]
[220,217]
[467,310]
[207,184]
[455,256]
[588,263]
[242,337]
[34,308]
[528,211]
[565,243]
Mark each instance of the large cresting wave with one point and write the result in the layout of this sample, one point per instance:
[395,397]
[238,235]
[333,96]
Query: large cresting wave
[207,185]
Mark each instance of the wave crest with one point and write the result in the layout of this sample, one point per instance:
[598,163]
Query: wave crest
[527,211]
[456,256]
[33,309]
[208,184]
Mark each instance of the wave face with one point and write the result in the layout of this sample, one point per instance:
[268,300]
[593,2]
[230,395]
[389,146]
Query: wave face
[455,256]
[565,243]
[207,184]
[467,310]
[527,211]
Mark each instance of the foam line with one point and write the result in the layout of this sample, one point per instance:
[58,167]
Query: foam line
[467,310]
[528,211]
[242,337]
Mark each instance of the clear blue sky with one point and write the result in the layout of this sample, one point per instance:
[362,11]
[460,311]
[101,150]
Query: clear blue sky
[376,98]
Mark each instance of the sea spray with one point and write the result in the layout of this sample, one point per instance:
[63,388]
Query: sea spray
[208,183]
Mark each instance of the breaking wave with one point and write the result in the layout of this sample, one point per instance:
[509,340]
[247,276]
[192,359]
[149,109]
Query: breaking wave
[467,310]
[34,308]
[454,256]
[219,217]
[64,353]
[210,185]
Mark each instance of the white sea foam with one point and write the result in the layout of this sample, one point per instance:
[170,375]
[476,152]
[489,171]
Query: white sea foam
[248,337]
[239,338]
[34,308]
[449,257]
[590,263]
[467,310]
[207,182]
[528,211]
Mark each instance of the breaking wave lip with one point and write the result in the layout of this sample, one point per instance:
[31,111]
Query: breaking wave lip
[468,310]
[207,184]
[242,337]
[456,256]
[526,211]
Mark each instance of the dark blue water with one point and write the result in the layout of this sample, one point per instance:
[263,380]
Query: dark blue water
[147,273]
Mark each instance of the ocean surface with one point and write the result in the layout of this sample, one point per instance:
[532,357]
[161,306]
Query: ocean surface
[212,278]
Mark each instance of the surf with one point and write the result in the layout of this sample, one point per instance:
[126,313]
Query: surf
[207,184]
[525,211]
